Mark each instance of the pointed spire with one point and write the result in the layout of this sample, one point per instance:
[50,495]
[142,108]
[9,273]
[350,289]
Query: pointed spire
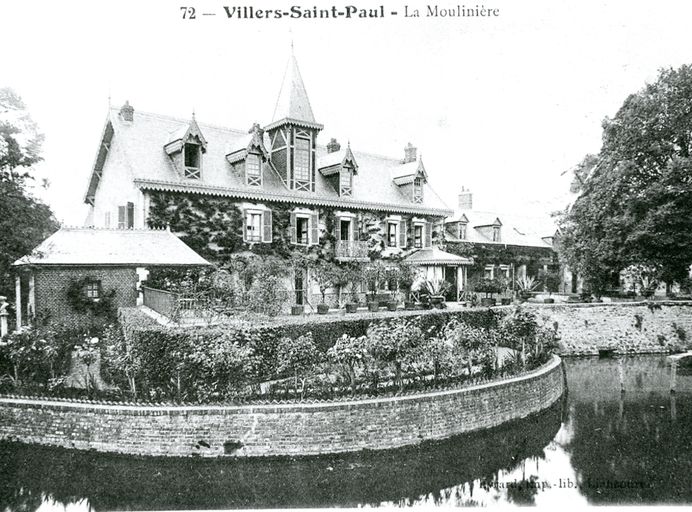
[293,102]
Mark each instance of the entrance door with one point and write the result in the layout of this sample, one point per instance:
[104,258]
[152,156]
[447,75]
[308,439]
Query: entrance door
[451,278]
[299,285]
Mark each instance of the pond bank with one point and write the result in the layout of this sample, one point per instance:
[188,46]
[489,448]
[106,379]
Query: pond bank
[281,429]
[620,328]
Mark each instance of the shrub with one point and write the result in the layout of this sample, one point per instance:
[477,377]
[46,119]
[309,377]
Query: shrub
[299,357]
[346,356]
[392,343]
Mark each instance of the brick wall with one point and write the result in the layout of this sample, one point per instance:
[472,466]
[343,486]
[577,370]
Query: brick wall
[281,429]
[51,285]
[624,327]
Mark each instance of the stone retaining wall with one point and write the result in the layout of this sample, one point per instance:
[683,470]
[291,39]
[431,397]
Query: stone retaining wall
[625,327]
[280,429]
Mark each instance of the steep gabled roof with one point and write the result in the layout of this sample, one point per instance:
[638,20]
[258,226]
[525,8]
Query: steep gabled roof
[112,247]
[138,146]
[516,230]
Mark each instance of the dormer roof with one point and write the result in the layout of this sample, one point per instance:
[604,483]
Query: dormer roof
[238,149]
[183,134]
[407,172]
[332,162]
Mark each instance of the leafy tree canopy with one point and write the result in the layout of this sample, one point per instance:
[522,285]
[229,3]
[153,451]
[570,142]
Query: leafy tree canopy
[635,196]
[24,221]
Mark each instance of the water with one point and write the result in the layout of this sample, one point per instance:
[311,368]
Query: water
[631,448]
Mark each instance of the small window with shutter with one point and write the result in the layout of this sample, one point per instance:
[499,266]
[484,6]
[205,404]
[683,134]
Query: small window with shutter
[392,228]
[418,236]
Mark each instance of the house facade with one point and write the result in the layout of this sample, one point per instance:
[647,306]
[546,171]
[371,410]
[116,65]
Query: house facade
[270,190]
[508,247]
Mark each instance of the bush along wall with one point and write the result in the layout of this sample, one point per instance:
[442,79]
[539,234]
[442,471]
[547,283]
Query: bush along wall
[320,359]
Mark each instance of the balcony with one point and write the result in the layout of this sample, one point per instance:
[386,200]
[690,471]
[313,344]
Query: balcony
[351,250]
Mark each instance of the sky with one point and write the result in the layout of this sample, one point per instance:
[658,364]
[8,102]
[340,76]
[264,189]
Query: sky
[503,106]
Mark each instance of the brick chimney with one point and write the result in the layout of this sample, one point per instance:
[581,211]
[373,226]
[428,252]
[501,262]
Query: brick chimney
[333,146]
[465,199]
[127,112]
[409,153]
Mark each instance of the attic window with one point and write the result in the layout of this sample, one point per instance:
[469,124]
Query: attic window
[346,182]
[462,231]
[496,233]
[192,159]
[253,169]
[418,190]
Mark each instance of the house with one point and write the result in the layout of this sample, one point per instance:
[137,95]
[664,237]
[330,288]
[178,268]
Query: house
[502,246]
[270,190]
[77,273]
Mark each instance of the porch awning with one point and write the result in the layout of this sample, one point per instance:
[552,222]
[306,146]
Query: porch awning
[436,256]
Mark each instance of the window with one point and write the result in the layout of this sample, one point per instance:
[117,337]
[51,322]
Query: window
[489,272]
[417,236]
[192,160]
[345,182]
[462,231]
[92,290]
[418,190]
[392,228]
[303,230]
[253,227]
[253,169]
[496,234]
[126,216]
[301,159]
[344,230]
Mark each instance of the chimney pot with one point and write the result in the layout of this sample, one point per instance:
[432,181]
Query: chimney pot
[465,199]
[127,112]
[409,153]
[333,146]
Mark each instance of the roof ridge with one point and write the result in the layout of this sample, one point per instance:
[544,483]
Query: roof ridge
[119,230]
[187,121]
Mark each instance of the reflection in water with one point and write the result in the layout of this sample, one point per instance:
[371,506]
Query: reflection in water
[600,445]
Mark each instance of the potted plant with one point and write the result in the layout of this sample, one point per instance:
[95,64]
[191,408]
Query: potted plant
[325,276]
[406,277]
[436,289]
[551,281]
[526,285]
[373,274]
[489,287]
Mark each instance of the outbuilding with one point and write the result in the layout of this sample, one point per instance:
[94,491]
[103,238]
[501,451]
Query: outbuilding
[77,272]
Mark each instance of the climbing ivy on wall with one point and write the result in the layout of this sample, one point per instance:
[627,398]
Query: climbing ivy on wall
[485,254]
[213,226]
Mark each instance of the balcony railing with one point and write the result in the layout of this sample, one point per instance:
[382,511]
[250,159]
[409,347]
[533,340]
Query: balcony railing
[351,250]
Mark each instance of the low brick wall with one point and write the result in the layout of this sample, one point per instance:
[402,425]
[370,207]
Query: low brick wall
[281,429]
[625,327]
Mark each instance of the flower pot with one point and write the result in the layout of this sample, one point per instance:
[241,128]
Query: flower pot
[437,301]
[351,307]
[322,309]
[488,301]
[373,307]
[392,305]
[505,301]
[549,300]
[297,310]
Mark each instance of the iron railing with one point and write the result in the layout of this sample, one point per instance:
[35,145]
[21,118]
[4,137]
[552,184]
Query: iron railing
[351,250]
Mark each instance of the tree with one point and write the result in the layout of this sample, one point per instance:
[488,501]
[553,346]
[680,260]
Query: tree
[24,221]
[635,195]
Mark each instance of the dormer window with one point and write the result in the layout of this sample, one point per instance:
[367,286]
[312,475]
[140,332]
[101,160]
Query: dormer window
[346,182]
[462,231]
[496,233]
[253,169]
[418,190]
[301,163]
[192,159]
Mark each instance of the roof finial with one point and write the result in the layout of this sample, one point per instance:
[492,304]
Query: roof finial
[193,113]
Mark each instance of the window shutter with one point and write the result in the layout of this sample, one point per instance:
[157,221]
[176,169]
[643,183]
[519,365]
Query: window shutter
[245,224]
[314,229]
[428,234]
[402,234]
[294,234]
[355,234]
[267,224]
[130,215]
[337,228]
[122,211]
